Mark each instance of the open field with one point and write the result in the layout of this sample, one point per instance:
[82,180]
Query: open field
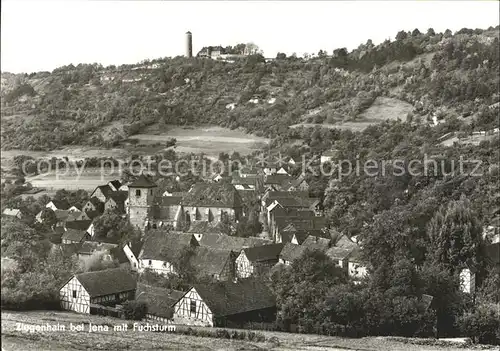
[386,108]
[208,139]
[382,109]
[13,339]
[87,180]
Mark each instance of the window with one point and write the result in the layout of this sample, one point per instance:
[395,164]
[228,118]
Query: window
[151,192]
[74,294]
[150,262]
[137,192]
[193,307]
[117,297]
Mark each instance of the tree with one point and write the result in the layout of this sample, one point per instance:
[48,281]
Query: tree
[431,32]
[402,35]
[415,33]
[455,235]
[134,310]
[301,288]
[48,217]
[280,56]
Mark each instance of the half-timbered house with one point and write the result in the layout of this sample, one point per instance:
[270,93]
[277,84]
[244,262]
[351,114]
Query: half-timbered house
[226,304]
[74,236]
[257,260]
[106,287]
[159,302]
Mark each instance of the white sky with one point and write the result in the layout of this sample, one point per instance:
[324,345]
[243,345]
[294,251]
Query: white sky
[42,34]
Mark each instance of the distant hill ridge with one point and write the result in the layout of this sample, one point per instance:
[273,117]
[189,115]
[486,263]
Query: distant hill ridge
[431,75]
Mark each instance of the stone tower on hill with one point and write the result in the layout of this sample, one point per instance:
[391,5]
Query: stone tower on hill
[141,194]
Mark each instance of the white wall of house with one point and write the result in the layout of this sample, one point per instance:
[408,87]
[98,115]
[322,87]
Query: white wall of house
[51,206]
[467,280]
[74,297]
[192,310]
[134,262]
[244,267]
[157,266]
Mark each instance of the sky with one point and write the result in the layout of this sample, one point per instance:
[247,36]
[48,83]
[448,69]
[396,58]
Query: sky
[40,35]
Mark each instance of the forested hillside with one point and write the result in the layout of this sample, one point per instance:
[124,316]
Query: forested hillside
[440,76]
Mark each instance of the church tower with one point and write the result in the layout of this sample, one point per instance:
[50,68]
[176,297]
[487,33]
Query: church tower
[141,194]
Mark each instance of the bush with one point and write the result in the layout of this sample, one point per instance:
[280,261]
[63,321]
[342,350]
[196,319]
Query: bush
[482,325]
[134,310]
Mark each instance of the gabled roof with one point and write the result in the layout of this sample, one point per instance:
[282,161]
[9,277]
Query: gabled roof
[226,242]
[212,195]
[159,301]
[208,261]
[89,247]
[346,243]
[98,204]
[316,243]
[291,252]
[142,182]
[93,214]
[105,190]
[116,183]
[168,200]
[108,281]
[164,245]
[244,181]
[119,196]
[78,225]
[338,253]
[264,252]
[73,216]
[278,179]
[61,204]
[74,235]
[228,298]
[205,227]
[61,215]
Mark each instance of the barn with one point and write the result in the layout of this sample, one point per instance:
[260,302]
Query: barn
[226,304]
[107,287]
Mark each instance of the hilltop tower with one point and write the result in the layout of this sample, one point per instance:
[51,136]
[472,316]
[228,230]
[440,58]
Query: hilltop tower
[141,194]
[189,44]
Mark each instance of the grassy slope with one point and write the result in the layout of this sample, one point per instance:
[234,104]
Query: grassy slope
[135,340]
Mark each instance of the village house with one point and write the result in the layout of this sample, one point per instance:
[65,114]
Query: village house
[215,264]
[132,251]
[257,260]
[226,304]
[328,156]
[247,183]
[74,236]
[88,248]
[116,201]
[290,253]
[231,243]
[159,302]
[84,291]
[115,185]
[55,205]
[161,249]
[12,212]
[94,205]
[212,202]
[102,192]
